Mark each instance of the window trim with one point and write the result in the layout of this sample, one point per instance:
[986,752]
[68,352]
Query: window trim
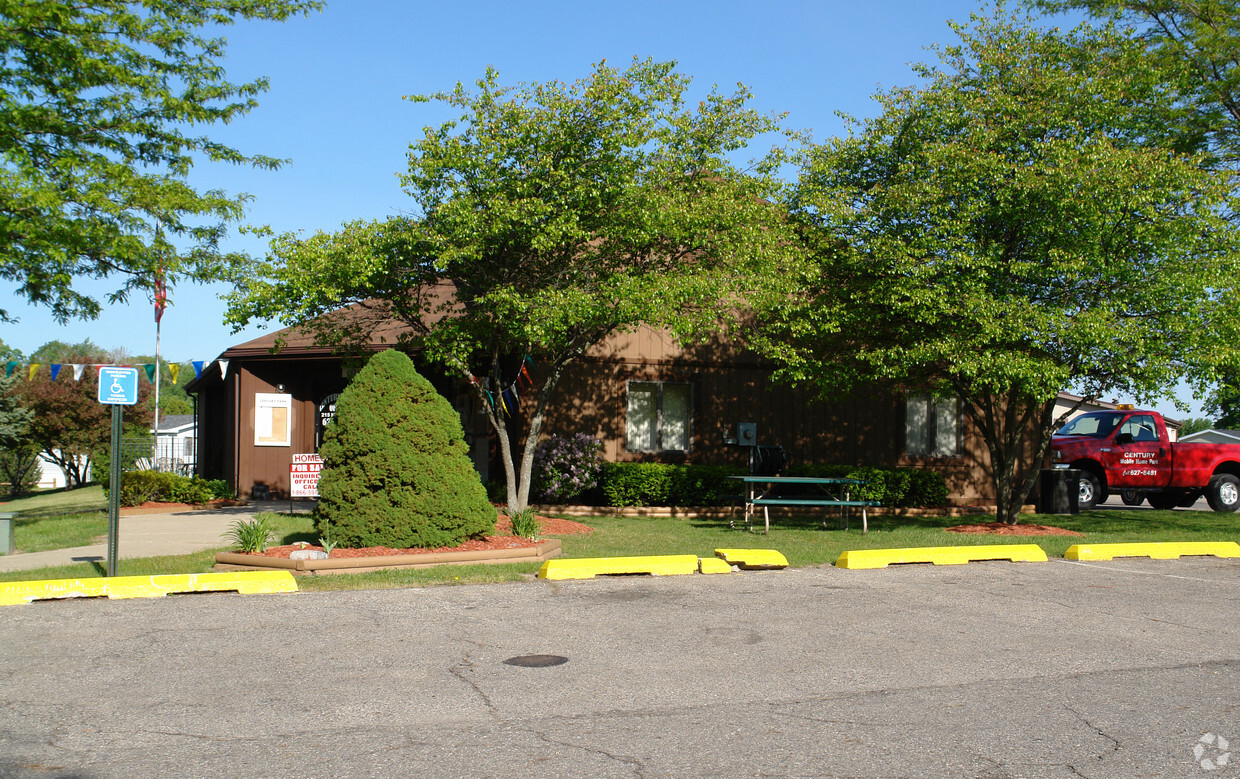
[931,426]
[659,448]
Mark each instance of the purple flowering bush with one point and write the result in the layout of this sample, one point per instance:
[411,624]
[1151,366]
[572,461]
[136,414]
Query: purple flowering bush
[566,466]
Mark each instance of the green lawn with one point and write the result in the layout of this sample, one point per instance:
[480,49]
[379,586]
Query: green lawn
[54,502]
[59,519]
[803,541]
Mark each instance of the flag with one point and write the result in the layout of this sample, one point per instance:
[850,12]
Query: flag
[149,367]
[55,370]
[197,368]
[34,368]
[175,370]
[161,294]
[78,368]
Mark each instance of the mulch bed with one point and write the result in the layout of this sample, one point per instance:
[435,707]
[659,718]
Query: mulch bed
[1002,529]
[502,539]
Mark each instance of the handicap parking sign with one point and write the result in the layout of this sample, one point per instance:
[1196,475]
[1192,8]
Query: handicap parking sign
[118,386]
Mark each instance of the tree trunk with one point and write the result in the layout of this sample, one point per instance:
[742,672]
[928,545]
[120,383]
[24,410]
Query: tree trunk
[517,479]
[1017,431]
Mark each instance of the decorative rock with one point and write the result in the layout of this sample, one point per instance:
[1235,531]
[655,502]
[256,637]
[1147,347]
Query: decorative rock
[307,554]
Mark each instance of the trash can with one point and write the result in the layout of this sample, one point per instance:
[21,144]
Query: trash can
[6,533]
[1060,491]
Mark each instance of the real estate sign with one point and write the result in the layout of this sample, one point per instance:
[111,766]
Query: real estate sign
[303,475]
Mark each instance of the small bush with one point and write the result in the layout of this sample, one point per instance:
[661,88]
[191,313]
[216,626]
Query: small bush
[220,489]
[927,488]
[525,524]
[636,484]
[703,485]
[895,487]
[183,490]
[566,467]
[17,468]
[137,487]
[252,535]
[658,484]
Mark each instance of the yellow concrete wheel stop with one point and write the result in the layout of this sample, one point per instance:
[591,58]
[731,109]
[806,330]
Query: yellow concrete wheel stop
[941,555]
[589,567]
[753,559]
[1158,551]
[244,582]
[713,565]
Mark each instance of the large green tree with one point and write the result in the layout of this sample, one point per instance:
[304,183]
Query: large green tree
[1193,44]
[547,216]
[100,103]
[1021,224]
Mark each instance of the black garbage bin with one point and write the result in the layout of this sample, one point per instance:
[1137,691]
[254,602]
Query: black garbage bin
[1059,491]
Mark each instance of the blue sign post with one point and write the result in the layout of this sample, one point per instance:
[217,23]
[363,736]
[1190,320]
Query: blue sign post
[118,387]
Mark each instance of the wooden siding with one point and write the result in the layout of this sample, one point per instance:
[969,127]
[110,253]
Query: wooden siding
[728,386]
[862,428]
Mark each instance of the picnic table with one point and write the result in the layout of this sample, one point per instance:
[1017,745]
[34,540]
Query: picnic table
[833,492]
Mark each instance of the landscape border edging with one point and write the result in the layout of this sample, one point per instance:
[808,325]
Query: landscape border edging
[235,561]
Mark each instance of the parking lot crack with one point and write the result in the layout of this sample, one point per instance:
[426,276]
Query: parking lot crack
[1115,744]
[461,672]
[629,761]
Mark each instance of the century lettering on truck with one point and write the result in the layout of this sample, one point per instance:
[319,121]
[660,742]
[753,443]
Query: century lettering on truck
[1128,451]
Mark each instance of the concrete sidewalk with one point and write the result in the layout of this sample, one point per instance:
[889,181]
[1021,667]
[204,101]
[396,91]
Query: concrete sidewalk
[154,535]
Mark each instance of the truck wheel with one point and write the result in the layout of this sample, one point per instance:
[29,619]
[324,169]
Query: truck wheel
[1090,491]
[1131,497]
[1164,502]
[1223,494]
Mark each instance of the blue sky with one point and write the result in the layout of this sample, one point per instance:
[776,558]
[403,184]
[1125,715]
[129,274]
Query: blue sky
[335,105]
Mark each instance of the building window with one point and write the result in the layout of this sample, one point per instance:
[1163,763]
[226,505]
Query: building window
[658,417]
[931,426]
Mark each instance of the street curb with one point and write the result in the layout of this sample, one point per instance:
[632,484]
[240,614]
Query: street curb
[156,586]
[941,555]
[1157,550]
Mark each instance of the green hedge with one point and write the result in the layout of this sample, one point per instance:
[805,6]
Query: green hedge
[658,484]
[896,487]
[137,487]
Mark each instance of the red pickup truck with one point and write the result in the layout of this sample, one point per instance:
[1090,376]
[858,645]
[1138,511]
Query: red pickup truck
[1128,451]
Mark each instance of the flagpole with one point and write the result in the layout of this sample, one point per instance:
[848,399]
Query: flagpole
[160,302]
[157,394]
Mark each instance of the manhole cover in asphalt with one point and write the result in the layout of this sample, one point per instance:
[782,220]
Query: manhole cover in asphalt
[536,661]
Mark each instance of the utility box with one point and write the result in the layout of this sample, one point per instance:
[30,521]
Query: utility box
[6,533]
[746,433]
[1059,491]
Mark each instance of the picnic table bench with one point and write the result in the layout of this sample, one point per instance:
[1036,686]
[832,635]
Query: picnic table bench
[835,495]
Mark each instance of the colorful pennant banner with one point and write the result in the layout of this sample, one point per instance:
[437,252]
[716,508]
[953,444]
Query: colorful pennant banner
[509,399]
[174,369]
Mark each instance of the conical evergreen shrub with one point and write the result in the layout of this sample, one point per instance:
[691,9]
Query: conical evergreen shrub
[396,469]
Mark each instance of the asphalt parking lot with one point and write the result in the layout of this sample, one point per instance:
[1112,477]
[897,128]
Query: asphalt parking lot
[1120,669]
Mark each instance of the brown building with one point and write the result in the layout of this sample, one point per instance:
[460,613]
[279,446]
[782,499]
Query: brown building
[642,394]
